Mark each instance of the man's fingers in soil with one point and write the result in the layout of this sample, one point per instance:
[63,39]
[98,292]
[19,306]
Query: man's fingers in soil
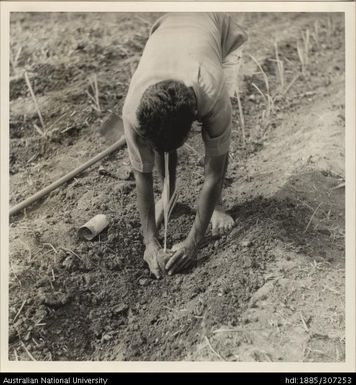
[175,258]
[154,268]
[176,267]
[177,246]
[225,230]
[215,231]
[186,264]
[222,230]
[162,259]
[156,272]
[181,266]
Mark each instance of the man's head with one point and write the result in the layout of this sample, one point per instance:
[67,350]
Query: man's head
[166,113]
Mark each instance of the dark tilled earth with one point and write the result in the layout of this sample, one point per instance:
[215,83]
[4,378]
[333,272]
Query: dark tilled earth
[272,290]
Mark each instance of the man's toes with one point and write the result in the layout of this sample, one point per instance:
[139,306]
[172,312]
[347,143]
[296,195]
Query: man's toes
[222,230]
[215,231]
[225,229]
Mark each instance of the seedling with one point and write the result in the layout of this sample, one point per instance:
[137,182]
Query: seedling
[191,149]
[330,26]
[93,84]
[315,33]
[42,131]
[280,67]
[262,72]
[306,41]
[168,201]
[296,77]
[241,118]
[146,22]
[303,50]
[14,60]
[266,114]
[301,56]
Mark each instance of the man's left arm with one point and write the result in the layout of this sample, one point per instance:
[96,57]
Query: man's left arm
[186,251]
[216,136]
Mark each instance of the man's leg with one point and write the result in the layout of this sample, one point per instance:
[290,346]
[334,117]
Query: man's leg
[159,159]
[221,222]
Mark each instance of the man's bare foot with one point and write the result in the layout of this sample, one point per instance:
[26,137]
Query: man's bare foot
[221,222]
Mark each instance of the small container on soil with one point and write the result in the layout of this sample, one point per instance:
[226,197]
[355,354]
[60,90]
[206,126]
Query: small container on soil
[93,227]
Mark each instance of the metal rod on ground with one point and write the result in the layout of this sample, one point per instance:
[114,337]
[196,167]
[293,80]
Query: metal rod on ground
[116,146]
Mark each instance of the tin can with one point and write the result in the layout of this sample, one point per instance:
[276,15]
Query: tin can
[93,227]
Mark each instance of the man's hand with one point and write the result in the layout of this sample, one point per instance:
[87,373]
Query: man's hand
[152,252]
[184,256]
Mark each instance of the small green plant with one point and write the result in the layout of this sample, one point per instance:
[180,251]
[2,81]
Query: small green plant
[94,97]
[306,41]
[280,67]
[315,34]
[241,119]
[42,131]
[329,27]
[192,149]
[267,97]
[265,78]
[301,56]
[168,200]
[241,116]
[14,60]
[285,91]
[267,113]
[303,48]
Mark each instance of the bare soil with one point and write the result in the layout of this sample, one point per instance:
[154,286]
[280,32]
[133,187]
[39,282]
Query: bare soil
[271,290]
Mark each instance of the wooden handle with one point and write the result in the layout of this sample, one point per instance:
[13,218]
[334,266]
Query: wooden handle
[116,146]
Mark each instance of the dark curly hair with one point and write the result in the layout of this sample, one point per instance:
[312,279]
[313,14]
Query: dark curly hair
[166,113]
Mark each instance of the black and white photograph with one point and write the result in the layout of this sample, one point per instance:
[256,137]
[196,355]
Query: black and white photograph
[177,186]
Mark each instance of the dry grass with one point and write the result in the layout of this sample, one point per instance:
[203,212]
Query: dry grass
[192,149]
[267,113]
[290,85]
[301,56]
[315,34]
[14,59]
[329,27]
[213,350]
[303,48]
[241,119]
[306,44]
[27,351]
[280,67]
[19,311]
[265,77]
[312,216]
[43,131]
[94,96]
[267,97]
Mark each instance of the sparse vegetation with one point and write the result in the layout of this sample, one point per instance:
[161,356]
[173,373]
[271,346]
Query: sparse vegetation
[42,131]
[93,94]
[278,277]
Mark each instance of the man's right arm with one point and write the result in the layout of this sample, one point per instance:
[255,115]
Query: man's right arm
[142,159]
[146,208]
[146,205]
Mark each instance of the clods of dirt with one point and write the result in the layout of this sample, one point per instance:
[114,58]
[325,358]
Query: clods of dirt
[271,290]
